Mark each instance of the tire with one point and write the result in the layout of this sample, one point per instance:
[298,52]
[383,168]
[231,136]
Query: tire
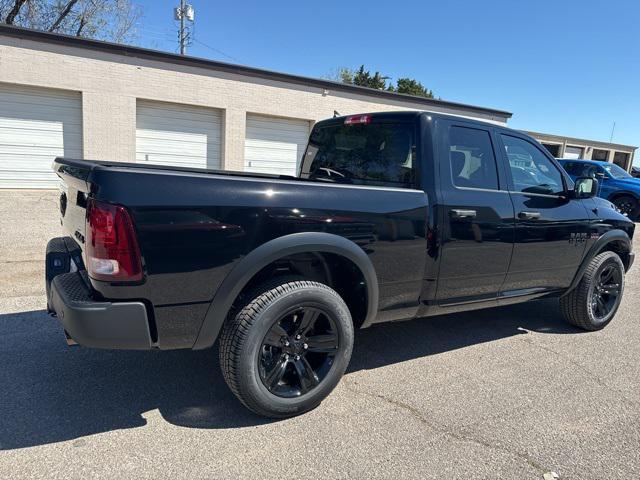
[262,336]
[580,308]
[627,205]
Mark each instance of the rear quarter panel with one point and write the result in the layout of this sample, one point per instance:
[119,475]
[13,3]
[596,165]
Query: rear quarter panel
[193,229]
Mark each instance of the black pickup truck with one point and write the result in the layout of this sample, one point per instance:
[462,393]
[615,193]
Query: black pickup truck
[392,216]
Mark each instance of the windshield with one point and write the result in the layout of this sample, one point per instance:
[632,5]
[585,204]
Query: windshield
[363,154]
[615,171]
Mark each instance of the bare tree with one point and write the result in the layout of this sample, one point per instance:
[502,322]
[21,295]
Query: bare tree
[13,13]
[113,20]
[63,14]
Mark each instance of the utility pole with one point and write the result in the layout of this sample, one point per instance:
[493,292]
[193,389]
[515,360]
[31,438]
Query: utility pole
[612,130]
[183,46]
[182,13]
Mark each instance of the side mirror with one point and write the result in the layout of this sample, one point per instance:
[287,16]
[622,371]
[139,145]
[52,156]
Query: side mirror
[585,187]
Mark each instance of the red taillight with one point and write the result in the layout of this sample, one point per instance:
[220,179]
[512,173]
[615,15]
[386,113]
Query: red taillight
[357,120]
[112,248]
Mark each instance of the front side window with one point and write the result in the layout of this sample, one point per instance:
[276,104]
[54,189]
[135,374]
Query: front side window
[380,154]
[473,164]
[531,170]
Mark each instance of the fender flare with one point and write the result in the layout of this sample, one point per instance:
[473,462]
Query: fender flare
[596,248]
[256,260]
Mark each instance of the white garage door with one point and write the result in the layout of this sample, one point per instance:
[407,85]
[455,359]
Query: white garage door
[182,135]
[37,125]
[573,152]
[274,145]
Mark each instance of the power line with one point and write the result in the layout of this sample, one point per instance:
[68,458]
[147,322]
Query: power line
[230,57]
[184,32]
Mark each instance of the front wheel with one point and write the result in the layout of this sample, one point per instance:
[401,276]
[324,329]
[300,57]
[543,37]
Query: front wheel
[627,205]
[287,348]
[595,301]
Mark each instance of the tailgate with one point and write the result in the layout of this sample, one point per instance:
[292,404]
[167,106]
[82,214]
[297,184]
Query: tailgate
[73,196]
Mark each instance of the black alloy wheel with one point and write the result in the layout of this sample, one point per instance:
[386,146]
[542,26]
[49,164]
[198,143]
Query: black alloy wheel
[298,352]
[606,291]
[286,346]
[626,205]
[593,303]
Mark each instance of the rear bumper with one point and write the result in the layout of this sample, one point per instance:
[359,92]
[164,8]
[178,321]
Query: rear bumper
[632,257]
[98,324]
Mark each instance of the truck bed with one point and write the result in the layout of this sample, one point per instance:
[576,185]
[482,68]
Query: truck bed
[195,225]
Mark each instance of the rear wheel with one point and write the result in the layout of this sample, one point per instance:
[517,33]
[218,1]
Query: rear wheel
[627,205]
[595,301]
[287,348]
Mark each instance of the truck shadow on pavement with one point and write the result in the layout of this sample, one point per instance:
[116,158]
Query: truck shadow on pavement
[52,393]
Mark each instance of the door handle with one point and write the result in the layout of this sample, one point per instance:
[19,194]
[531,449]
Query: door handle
[529,215]
[457,213]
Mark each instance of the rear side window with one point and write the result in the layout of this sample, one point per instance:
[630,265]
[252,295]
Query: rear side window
[473,164]
[531,170]
[380,154]
[589,171]
[572,168]
[579,169]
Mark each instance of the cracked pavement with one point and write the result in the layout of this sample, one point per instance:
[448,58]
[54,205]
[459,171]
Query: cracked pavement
[508,393]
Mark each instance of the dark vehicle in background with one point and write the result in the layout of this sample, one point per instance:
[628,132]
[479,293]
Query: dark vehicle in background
[616,184]
[393,216]
[635,172]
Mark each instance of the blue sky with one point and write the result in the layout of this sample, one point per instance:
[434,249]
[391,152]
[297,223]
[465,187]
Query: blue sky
[566,66]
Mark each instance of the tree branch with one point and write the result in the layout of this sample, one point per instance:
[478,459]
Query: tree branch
[13,13]
[63,14]
[81,25]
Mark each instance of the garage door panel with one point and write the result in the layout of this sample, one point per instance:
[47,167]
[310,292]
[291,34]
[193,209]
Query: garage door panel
[37,138]
[38,116]
[27,179]
[269,134]
[17,95]
[191,119]
[268,127]
[26,161]
[20,144]
[179,125]
[33,160]
[573,152]
[274,145]
[173,160]
[174,148]
[27,183]
[285,161]
[169,116]
[284,155]
[270,170]
[37,125]
[274,166]
[16,129]
[158,147]
[269,122]
[179,135]
[281,144]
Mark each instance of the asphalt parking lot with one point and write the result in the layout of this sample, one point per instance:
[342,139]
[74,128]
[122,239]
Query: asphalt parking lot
[509,393]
